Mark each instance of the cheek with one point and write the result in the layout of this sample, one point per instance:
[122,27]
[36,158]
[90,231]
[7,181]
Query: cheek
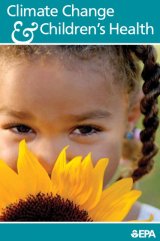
[112,168]
[112,151]
[115,154]
[8,152]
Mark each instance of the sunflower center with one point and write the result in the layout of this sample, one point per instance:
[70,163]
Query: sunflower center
[44,207]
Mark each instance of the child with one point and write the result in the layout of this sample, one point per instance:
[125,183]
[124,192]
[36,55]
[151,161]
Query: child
[82,96]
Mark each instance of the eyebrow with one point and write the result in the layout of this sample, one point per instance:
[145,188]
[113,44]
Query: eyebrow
[16,113]
[96,114]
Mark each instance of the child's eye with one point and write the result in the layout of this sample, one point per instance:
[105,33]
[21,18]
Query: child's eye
[20,129]
[86,130]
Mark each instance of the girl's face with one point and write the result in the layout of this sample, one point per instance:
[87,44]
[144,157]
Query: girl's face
[52,105]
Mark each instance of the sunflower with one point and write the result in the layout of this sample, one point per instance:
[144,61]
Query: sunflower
[74,192]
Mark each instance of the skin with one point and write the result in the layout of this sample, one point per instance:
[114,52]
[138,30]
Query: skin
[51,105]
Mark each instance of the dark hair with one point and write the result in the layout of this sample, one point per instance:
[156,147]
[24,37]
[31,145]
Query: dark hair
[149,107]
[128,56]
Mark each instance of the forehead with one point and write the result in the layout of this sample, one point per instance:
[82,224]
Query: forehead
[65,86]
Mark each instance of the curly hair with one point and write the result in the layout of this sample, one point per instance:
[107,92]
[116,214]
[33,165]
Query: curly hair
[149,108]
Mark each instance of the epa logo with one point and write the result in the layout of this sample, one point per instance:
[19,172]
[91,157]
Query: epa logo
[143,234]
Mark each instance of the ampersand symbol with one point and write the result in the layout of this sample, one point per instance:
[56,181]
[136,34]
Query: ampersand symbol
[27,32]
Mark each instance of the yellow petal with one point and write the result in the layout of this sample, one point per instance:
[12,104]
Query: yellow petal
[59,166]
[112,193]
[116,190]
[117,210]
[87,163]
[81,175]
[97,184]
[11,187]
[31,171]
[93,181]
[86,178]
[70,179]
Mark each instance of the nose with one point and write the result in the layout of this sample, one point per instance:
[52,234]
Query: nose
[47,152]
